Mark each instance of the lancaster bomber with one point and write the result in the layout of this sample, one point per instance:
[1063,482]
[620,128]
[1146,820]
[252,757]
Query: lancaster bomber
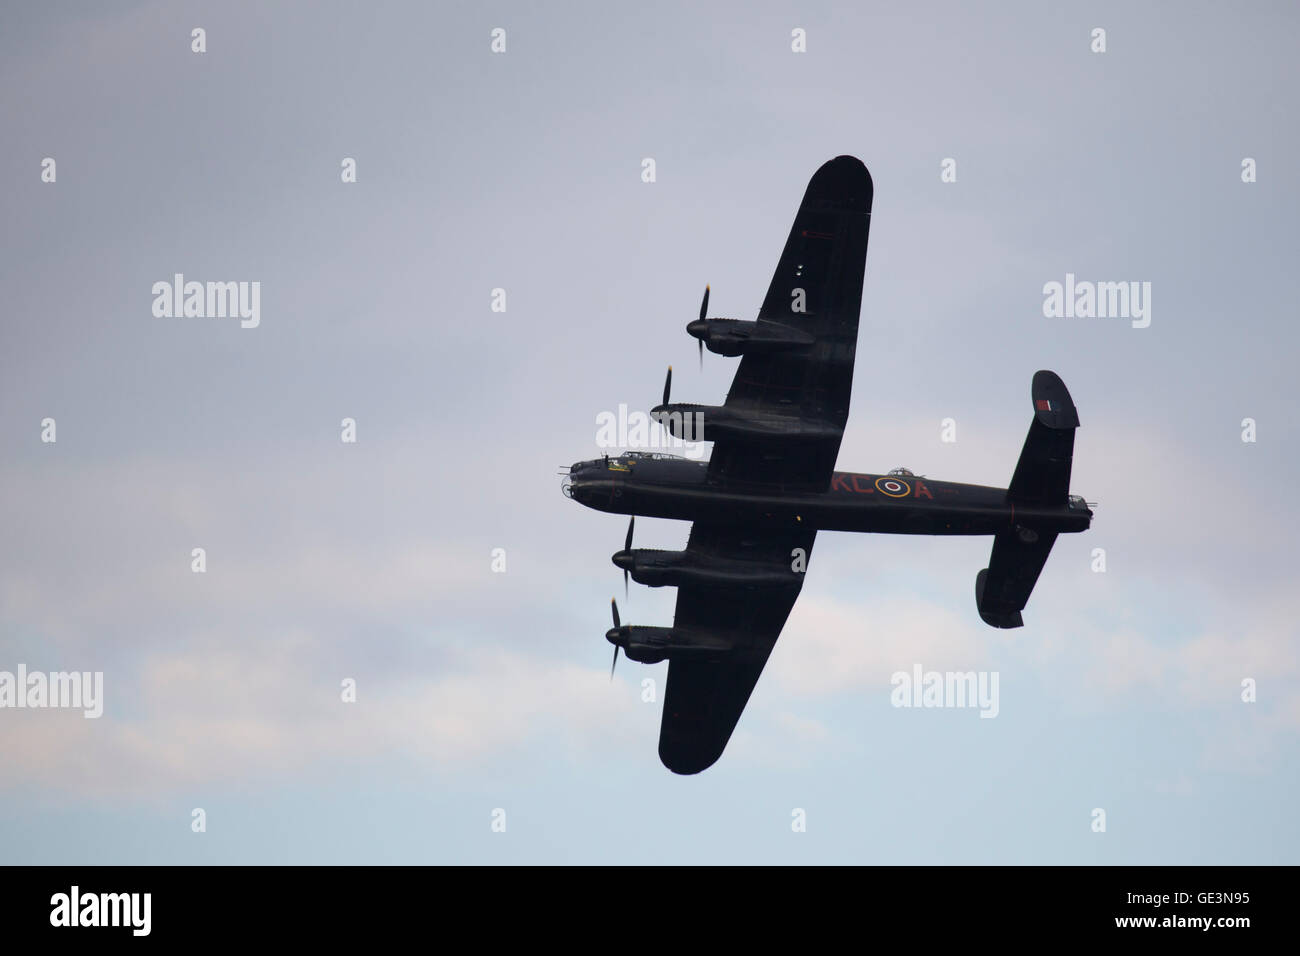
[771,484]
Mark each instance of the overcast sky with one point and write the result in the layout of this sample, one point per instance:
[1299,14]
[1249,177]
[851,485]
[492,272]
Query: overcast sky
[522,171]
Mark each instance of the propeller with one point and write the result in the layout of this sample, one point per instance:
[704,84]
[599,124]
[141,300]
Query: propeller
[625,559]
[613,635]
[627,546]
[668,384]
[704,308]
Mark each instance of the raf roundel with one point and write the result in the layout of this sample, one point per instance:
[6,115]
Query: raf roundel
[893,487]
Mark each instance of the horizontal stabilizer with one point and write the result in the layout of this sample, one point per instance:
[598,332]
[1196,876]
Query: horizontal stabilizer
[1002,589]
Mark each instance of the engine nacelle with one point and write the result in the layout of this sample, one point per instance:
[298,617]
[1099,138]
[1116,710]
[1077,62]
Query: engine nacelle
[656,569]
[647,645]
[714,422]
[650,645]
[737,336]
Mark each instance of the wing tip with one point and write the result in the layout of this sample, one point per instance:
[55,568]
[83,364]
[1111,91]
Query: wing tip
[688,751]
[845,181]
[686,763]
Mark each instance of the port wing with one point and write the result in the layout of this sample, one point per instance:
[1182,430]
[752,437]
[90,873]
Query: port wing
[817,288]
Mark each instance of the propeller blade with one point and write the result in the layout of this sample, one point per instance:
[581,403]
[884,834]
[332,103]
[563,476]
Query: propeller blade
[627,546]
[613,664]
[613,609]
[668,384]
[704,310]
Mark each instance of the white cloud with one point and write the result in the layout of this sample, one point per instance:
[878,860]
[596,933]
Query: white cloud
[205,686]
[223,716]
[830,646]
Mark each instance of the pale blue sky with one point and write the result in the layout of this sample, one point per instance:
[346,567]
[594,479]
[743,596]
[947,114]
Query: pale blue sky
[371,561]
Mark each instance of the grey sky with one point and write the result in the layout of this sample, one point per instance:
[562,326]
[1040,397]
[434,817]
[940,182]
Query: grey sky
[522,171]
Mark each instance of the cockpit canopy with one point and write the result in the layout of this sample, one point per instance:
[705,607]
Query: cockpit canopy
[624,461]
[653,456]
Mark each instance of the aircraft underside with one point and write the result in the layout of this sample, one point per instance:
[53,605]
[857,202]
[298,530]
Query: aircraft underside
[770,485]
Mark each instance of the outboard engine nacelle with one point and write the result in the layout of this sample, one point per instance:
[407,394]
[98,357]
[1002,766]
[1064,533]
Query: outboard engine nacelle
[739,337]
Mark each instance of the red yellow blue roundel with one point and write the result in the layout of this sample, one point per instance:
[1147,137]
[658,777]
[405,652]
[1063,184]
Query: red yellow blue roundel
[894,487]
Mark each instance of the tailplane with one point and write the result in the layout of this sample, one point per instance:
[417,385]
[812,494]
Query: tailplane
[1041,480]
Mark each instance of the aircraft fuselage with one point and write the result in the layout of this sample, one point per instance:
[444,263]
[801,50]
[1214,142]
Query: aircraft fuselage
[664,487]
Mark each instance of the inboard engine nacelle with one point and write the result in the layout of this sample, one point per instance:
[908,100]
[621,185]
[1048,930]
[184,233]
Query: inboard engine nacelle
[655,568]
[691,422]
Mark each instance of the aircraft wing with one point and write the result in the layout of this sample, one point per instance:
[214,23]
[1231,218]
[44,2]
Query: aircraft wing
[705,697]
[817,289]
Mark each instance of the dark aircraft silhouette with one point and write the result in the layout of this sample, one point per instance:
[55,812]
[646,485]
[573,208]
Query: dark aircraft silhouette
[771,483]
